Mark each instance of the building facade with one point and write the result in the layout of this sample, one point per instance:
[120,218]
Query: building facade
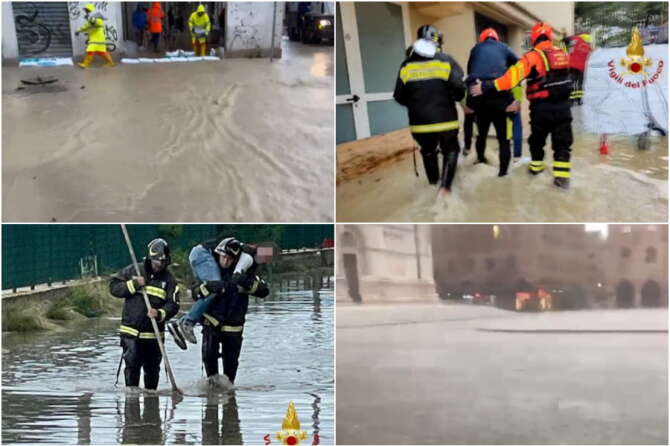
[372,38]
[580,269]
[47,29]
[384,263]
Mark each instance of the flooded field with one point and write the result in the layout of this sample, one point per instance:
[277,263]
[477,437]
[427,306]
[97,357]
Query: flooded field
[628,185]
[163,142]
[58,387]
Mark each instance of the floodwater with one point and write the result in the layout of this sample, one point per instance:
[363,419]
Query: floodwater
[628,185]
[230,140]
[58,387]
[470,374]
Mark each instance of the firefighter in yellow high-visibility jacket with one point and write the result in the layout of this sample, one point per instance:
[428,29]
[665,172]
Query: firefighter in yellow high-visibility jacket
[200,26]
[97,42]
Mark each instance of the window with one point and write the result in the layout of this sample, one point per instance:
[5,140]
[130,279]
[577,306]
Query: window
[651,255]
[511,263]
[451,266]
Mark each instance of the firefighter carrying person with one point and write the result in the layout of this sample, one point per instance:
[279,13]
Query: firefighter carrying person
[200,26]
[226,272]
[97,41]
[138,339]
[580,48]
[488,60]
[429,84]
[548,87]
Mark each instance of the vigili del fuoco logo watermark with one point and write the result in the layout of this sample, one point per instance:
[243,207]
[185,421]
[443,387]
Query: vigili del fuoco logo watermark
[635,64]
[290,433]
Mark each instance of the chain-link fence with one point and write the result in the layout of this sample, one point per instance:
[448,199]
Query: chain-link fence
[37,254]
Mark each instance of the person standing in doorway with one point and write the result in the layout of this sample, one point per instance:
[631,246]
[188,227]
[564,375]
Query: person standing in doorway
[140,25]
[200,27]
[155,17]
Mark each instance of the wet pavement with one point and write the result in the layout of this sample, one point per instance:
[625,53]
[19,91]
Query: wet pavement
[428,374]
[58,387]
[230,140]
[628,185]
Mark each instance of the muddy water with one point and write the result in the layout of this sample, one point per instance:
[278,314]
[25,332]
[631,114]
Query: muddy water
[628,185]
[58,387]
[230,140]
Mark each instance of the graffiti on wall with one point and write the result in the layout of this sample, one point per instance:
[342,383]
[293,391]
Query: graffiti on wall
[245,33]
[77,18]
[36,35]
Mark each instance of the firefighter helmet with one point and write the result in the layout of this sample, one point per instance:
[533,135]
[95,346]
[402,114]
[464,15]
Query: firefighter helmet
[541,29]
[429,32]
[488,33]
[229,246]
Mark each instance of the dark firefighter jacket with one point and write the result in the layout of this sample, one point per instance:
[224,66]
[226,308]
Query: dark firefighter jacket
[162,292]
[228,310]
[430,88]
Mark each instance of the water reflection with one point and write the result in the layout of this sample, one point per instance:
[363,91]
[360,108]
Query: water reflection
[58,387]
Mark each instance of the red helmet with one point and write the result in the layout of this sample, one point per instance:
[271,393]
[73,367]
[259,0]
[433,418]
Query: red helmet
[541,29]
[488,32]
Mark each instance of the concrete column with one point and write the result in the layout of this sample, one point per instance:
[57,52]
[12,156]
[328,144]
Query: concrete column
[10,44]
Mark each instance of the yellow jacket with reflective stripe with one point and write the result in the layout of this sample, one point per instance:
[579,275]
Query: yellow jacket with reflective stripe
[199,21]
[430,88]
[162,292]
[95,28]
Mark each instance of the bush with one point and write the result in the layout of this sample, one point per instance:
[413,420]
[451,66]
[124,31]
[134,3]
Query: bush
[92,300]
[25,316]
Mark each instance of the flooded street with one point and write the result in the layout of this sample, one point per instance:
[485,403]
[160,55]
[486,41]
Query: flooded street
[628,185]
[471,374]
[163,142]
[58,387]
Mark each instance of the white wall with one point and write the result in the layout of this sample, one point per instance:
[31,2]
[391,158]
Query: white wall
[249,29]
[10,46]
[113,22]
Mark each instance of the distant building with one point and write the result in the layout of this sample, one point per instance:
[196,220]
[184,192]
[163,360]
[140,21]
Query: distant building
[580,269]
[384,263]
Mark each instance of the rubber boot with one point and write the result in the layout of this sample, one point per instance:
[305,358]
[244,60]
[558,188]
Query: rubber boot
[561,182]
[431,164]
[449,170]
[110,62]
[87,61]
[203,49]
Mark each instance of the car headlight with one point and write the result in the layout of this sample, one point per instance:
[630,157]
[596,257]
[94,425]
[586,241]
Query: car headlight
[323,23]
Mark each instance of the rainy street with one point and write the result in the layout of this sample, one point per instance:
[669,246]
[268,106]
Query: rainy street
[628,185]
[58,387]
[465,374]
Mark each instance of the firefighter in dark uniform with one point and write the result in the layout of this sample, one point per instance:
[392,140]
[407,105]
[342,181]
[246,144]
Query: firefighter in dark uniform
[224,319]
[547,70]
[489,59]
[429,84]
[138,340]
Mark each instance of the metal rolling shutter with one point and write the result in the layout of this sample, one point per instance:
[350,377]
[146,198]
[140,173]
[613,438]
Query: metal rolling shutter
[42,29]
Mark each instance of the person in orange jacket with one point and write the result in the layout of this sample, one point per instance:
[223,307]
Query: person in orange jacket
[546,69]
[155,17]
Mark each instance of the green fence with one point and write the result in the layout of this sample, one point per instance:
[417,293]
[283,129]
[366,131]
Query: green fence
[36,254]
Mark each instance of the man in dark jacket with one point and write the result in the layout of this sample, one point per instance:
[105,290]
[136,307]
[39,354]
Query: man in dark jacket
[138,339]
[490,59]
[429,84]
[222,300]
